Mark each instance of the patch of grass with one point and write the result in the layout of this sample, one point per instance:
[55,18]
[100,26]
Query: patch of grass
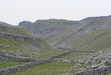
[47,54]
[15,30]
[8,63]
[73,55]
[53,68]
[96,40]
[16,46]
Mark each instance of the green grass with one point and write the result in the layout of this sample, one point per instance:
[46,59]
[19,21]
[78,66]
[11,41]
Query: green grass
[51,53]
[53,68]
[73,55]
[92,41]
[15,46]
[57,68]
[15,30]
[9,63]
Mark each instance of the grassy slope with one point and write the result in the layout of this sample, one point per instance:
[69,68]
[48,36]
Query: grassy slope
[16,46]
[56,30]
[13,46]
[4,64]
[53,68]
[13,29]
[97,40]
[92,40]
[44,55]
[52,30]
[46,69]
[61,68]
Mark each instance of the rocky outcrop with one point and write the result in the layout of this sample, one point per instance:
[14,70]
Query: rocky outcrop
[99,71]
[98,68]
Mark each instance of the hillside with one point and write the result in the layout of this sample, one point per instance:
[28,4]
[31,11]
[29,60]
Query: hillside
[5,27]
[20,42]
[58,32]
[96,40]
[78,47]
[51,30]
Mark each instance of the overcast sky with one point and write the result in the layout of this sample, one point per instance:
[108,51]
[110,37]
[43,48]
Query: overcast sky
[14,11]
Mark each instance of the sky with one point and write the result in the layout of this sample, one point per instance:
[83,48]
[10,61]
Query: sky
[14,11]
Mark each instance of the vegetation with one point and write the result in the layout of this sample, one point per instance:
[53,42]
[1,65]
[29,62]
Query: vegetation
[92,33]
[96,40]
[55,67]
[4,64]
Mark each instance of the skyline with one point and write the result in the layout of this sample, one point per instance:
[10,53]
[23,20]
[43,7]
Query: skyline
[15,11]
